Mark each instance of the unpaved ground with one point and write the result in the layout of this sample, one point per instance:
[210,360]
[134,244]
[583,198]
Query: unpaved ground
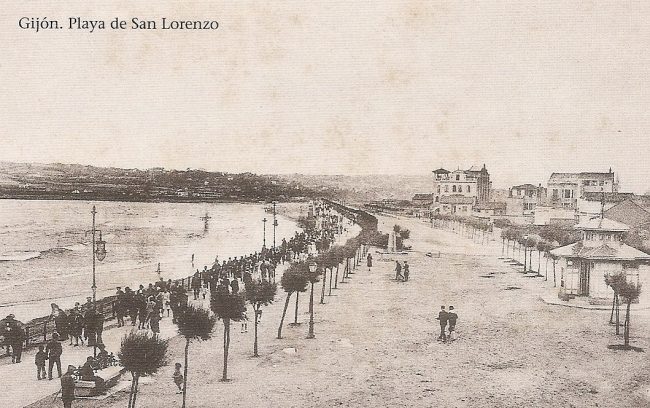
[375,345]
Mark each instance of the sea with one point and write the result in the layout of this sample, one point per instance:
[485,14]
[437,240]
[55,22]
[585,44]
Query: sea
[46,246]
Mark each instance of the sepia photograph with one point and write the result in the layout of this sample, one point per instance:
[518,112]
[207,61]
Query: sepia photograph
[324,203]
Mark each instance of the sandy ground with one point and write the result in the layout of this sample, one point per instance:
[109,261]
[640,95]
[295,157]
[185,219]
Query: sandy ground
[376,344]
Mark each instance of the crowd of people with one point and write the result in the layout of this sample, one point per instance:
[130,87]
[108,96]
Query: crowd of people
[144,307]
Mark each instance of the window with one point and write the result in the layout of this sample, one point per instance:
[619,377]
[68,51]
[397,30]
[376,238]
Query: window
[567,193]
[446,189]
[438,189]
[453,189]
[602,183]
[457,177]
[555,193]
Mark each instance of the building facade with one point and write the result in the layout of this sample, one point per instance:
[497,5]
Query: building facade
[530,196]
[601,251]
[472,184]
[564,189]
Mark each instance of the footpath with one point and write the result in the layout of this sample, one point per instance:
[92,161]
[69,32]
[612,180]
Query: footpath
[21,387]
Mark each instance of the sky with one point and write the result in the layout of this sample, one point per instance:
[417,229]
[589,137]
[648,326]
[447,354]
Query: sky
[335,87]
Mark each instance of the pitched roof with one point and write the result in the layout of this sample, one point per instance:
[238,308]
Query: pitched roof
[559,177]
[613,251]
[441,171]
[456,199]
[609,197]
[602,224]
[628,213]
[423,197]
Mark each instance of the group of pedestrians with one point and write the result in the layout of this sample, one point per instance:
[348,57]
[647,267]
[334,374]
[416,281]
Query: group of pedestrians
[402,271]
[447,320]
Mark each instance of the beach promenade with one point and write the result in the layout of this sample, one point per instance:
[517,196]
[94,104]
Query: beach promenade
[22,388]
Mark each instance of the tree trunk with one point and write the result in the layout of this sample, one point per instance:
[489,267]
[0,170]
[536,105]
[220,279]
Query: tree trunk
[611,315]
[311,312]
[295,315]
[331,273]
[546,266]
[539,261]
[336,278]
[554,279]
[618,324]
[187,351]
[525,259]
[284,313]
[132,390]
[136,379]
[255,310]
[627,324]
[226,345]
[503,243]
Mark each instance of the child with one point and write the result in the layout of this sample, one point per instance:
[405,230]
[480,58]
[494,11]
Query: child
[204,290]
[40,358]
[244,323]
[178,378]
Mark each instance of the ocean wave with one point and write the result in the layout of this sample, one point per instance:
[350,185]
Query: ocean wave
[19,256]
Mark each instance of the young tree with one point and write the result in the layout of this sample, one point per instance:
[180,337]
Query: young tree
[194,323]
[292,281]
[630,292]
[141,353]
[227,307]
[616,282]
[258,294]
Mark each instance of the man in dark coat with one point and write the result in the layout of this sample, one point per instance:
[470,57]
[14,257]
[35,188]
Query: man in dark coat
[15,336]
[442,317]
[67,387]
[54,351]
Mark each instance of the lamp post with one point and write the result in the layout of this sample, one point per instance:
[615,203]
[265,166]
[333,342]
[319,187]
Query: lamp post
[275,222]
[264,239]
[312,271]
[99,253]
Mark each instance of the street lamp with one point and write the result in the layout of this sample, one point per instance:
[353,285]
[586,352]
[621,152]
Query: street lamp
[99,253]
[264,239]
[312,271]
[275,222]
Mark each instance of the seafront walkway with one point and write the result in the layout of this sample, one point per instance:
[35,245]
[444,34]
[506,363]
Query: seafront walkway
[21,387]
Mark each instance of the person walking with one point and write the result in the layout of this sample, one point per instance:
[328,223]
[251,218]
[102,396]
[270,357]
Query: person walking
[67,387]
[452,317]
[406,271]
[369,261]
[398,271]
[442,317]
[54,351]
[39,360]
[15,336]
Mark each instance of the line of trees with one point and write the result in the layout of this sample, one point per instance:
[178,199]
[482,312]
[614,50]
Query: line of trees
[143,353]
[627,291]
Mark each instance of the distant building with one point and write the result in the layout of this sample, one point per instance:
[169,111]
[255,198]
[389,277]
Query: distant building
[456,204]
[422,200]
[530,196]
[584,264]
[564,189]
[472,184]
[489,210]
